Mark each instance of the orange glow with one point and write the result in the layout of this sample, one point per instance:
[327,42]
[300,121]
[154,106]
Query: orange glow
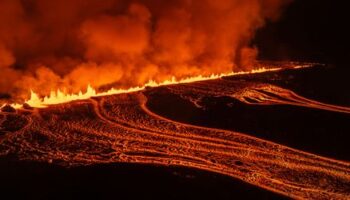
[68,44]
[126,129]
[58,97]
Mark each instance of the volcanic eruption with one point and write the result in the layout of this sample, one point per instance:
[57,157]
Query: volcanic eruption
[166,83]
[69,45]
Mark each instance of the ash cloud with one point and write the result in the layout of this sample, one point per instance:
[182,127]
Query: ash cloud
[69,44]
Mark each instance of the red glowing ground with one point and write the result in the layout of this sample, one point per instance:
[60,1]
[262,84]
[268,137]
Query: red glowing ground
[123,129]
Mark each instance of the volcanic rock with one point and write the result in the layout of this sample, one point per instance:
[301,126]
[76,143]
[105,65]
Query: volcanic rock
[27,106]
[8,109]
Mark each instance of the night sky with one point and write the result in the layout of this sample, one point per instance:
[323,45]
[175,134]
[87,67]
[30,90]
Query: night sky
[309,30]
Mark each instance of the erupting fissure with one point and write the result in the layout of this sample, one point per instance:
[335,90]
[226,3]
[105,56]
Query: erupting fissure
[68,44]
[58,97]
[136,128]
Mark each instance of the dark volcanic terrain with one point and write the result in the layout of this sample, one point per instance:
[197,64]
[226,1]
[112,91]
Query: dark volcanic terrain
[286,132]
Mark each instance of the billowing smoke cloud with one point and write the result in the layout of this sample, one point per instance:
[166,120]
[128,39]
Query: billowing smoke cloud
[69,44]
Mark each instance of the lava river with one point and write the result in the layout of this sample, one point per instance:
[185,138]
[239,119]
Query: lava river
[124,129]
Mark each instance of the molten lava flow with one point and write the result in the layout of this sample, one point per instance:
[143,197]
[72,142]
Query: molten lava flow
[123,129]
[264,94]
[57,97]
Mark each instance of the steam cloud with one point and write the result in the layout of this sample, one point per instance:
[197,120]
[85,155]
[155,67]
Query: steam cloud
[69,44]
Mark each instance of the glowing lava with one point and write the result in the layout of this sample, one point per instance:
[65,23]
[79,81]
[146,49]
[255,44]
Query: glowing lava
[124,129]
[58,97]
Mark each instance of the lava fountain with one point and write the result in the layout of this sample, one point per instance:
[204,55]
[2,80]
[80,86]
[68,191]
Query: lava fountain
[57,97]
[67,45]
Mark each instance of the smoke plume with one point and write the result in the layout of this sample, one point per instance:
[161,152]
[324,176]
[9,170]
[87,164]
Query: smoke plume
[68,44]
